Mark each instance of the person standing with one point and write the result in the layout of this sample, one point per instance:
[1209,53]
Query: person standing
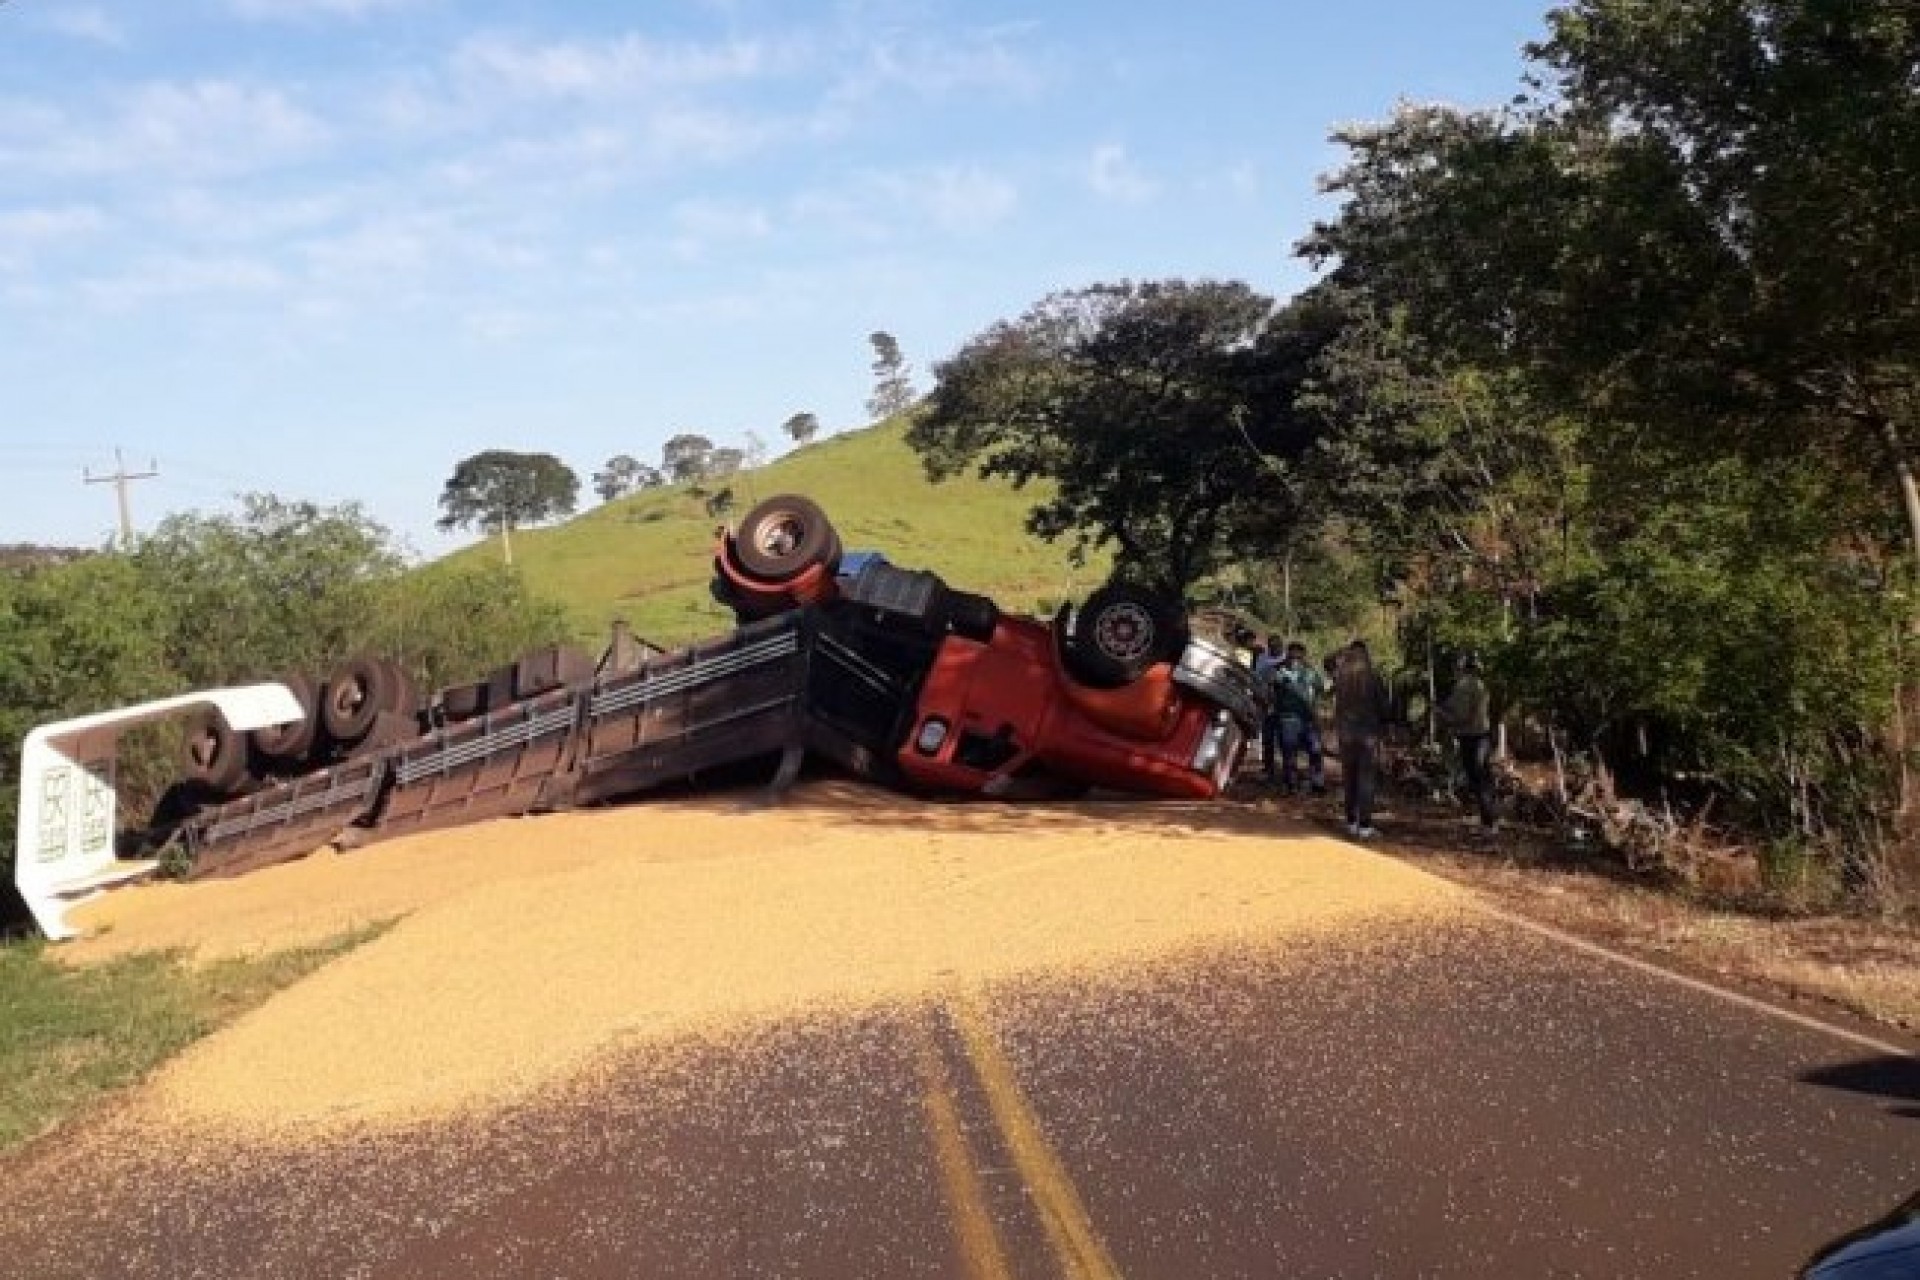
[1360,708]
[1266,666]
[1297,689]
[1466,713]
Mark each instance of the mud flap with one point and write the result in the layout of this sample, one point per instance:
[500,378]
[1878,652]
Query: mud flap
[791,759]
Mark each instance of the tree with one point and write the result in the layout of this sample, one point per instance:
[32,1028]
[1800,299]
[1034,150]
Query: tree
[724,461]
[1160,413]
[892,378]
[685,457]
[1691,240]
[802,427]
[1694,229]
[1453,471]
[499,491]
[282,584]
[622,475]
[753,451]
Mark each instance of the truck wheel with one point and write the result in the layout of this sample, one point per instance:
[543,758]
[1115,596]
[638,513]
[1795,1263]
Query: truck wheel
[783,537]
[357,692]
[213,754]
[1121,631]
[289,743]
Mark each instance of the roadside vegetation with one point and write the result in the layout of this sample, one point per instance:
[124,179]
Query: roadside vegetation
[68,1035]
[1616,385]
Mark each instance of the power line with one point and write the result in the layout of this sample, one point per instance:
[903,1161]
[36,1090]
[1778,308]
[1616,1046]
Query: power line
[119,479]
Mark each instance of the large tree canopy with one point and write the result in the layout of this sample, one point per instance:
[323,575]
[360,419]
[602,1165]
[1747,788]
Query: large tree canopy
[685,457]
[1160,413]
[1708,223]
[499,490]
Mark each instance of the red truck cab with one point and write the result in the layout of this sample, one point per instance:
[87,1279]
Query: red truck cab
[1001,716]
[1113,694]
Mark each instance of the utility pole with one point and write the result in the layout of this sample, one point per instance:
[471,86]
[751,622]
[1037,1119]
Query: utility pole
[119,480]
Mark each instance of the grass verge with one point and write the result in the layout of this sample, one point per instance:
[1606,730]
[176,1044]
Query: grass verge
[69,1035]
[1863,964]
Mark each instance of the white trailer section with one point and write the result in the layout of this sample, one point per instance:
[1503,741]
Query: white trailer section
[65,848]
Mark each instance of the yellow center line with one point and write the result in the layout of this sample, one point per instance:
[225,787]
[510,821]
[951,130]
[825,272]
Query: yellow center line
[973,1231]
[1062,1213]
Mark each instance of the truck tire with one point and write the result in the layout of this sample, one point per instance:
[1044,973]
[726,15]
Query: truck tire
[213,755]
[783,537]
[357,691]
[288,744]
[1120,632]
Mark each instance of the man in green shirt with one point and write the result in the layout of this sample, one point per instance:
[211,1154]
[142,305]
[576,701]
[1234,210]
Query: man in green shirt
[1297,689]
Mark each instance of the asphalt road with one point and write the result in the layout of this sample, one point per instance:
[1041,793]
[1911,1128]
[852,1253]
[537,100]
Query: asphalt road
[1464,1100]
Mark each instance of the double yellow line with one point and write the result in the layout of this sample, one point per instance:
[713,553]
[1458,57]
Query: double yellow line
[1063,1215]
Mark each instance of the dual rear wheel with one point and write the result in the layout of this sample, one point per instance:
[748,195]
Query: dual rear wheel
[337,715]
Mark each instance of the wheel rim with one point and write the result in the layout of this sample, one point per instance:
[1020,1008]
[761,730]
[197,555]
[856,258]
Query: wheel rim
[780,534]
[348,698]
[1124,632]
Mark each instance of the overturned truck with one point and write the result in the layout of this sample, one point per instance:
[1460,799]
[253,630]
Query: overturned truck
[888,673]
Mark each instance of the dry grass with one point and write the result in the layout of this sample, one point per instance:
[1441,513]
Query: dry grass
[1865,964]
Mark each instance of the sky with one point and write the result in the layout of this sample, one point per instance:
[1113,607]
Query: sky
[326,249]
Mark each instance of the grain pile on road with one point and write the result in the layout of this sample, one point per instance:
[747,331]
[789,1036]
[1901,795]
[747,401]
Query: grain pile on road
[530,951]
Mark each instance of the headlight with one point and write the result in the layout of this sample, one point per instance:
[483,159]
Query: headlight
[932,734]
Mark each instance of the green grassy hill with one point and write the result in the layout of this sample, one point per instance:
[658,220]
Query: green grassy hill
[648,557]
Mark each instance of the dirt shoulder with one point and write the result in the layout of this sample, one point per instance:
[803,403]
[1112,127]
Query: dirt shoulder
[1862,965]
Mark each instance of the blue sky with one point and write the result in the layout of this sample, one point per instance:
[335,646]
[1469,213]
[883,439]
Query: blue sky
[328,248]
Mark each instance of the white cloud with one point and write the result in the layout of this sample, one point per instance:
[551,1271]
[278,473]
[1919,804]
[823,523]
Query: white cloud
[41,225]
[274,9]
[375,251]
[496,325]
[939,64]
[26,232]
[182,276]
[706,134]
[706,224]
[581,69]
[839,212]
[1113,176]
[88,24]
[967,199]
[197,127]
[210,213]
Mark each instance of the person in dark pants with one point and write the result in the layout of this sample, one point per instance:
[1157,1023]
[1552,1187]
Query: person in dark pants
[1467,715]
[1360,707]
[1297,689]
[1266,663]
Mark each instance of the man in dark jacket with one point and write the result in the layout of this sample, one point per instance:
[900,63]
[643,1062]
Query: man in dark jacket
[1360,709]
[1297,688]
